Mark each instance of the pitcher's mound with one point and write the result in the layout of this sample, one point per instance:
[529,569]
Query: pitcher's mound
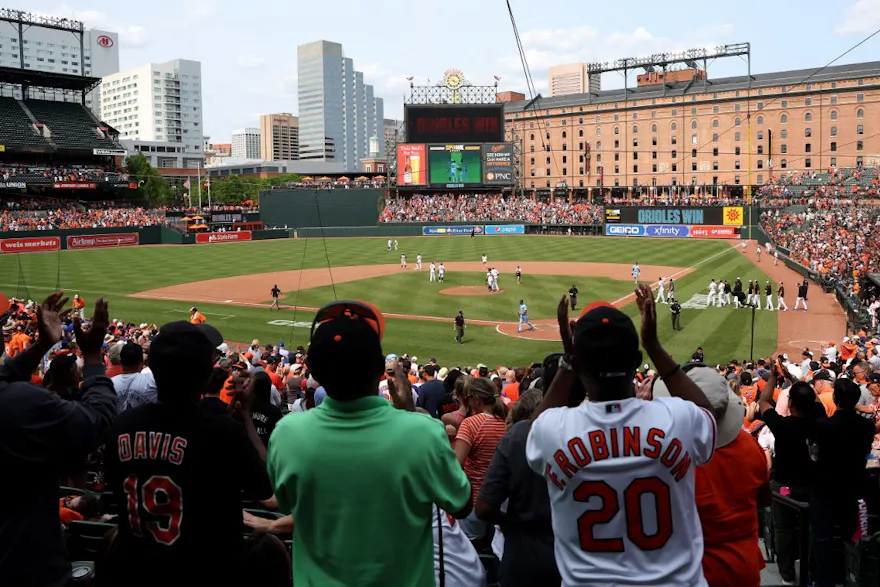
[468,290]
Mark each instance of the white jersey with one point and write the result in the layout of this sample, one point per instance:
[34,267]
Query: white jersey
[484,259]
[495,274]
[419,259]
[636,270]
[713,287]
[661,285]
[442,269]
[621,481]
[433,268]
[461,564]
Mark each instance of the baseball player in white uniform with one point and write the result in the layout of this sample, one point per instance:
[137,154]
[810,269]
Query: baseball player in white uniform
[620,470]
[713,294]
[489,283]
[780,298]
[758,250]
[635,272]
[495,275]
[403,261]
[874,311]
[461,564]
[661,292]
[485,261]
[419,262]
[768,300]
[433,272]
[395,244]
[441,272]
[389,245]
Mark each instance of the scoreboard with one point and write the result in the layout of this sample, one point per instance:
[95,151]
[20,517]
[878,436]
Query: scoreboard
[454,124]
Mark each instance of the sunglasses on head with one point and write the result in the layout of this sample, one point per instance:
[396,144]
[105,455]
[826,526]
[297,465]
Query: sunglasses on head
[354,310]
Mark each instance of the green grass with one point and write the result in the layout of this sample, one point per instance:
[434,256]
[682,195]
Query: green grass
[114,273]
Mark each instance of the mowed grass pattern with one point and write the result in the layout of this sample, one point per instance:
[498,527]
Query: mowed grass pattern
[115,273]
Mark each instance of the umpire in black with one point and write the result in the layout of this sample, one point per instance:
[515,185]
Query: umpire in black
[675,308]
[573,297]
[459,327]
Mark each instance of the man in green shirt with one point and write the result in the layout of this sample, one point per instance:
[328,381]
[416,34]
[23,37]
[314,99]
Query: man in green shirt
[359,476]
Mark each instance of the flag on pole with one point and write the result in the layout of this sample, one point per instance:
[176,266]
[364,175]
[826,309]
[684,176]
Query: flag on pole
[207,183]
[187,184]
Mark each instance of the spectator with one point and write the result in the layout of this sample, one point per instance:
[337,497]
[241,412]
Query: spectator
[63,377]
[133,387]
[212,403]
[475,443]
[42,437]
[264,414]
[513,497]
[200,464]
[842,441]
[432,392]
[373,528]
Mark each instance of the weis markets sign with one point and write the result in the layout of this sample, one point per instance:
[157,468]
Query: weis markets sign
[30,244]
[100,241]
[223,237]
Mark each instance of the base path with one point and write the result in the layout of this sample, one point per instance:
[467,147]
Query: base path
[469,290]
[824,321]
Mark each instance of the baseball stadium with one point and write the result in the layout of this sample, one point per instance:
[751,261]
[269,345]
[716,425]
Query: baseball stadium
[498,278]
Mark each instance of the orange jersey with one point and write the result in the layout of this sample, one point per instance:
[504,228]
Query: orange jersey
[198,318]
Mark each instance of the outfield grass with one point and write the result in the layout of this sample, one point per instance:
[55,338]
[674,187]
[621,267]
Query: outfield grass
[115,273]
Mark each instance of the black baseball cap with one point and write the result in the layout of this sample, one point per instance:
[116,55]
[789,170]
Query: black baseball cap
[874,378]
[212,334]
[606,342]
[823,375]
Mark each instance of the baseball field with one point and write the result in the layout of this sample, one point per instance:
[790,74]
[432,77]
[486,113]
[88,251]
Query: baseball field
[231,283]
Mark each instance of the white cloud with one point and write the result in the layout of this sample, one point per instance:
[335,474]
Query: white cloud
[250,61]
[547,47]
[863,17]
[199,8]
[130,35]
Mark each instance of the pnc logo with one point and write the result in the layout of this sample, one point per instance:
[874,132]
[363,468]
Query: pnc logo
[490,176]
[104,41]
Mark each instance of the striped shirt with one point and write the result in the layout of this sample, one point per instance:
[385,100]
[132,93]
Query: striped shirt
[482,432]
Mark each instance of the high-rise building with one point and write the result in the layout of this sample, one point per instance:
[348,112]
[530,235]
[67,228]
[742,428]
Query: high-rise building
[338,112]
[156,102]
[279,137]
[246,143]
[573,79]
[392,134]
[28,42]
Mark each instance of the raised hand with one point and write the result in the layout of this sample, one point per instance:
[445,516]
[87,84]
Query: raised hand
[49,316]
[565,325]
[91,340]
[645,389]
[648,310]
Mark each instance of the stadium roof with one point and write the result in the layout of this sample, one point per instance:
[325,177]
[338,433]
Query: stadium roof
[724,84]
[43,79]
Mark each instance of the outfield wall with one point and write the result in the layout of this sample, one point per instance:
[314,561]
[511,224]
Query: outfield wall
[316,208]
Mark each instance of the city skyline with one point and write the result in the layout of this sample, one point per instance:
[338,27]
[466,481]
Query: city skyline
[262,78]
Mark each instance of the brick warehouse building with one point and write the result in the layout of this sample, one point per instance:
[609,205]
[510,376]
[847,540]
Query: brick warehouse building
[688,129]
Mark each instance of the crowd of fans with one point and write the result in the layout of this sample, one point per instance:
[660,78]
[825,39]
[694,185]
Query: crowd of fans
[73,216]
[836,238]
[184,439]
[58,173]
[489,208]
[833,184]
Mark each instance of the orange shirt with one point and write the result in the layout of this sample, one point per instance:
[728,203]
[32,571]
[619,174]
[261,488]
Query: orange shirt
[198,318]
[79,303]
[276,379]
[726,492]
[750,392]
[66,514]
[511,391]
[827,400]
[18,343]
[482,432]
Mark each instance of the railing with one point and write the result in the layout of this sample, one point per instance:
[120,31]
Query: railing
[803,510]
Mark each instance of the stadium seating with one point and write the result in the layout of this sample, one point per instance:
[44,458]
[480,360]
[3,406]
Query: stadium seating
[72,125]
[16,128]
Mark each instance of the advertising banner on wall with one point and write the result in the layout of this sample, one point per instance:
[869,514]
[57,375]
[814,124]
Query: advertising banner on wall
[451,230]
[100,241]
[667,231]
[676,215]
[498,164]
[206,238]
[714,232]
[74,185]
[30,244]
[412,165]
[505,229]
[624,230]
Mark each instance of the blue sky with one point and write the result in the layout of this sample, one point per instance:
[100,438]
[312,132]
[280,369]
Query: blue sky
[248,49]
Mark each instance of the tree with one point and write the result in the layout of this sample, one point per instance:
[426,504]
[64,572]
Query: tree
[151,185]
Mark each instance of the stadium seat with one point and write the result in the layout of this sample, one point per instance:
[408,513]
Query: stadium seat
[72,125]
[84,539]
[16,128]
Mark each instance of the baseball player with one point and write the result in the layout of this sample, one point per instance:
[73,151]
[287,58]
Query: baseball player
[489,280]
[389,245]
[671,289]
[727,292]
[780,298]
[524,317]
[485,261]
[768,297]
[802,296]
[495,274]
[635,273]
[758,249]
[750,298]
[874,311]
[441,272]
[433,271]
[403,261]
[661,292]
[713,294]
[518,274]
[573,297]
[79,307]
[275,293]
[395,244]
[620,470]
[419,262]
